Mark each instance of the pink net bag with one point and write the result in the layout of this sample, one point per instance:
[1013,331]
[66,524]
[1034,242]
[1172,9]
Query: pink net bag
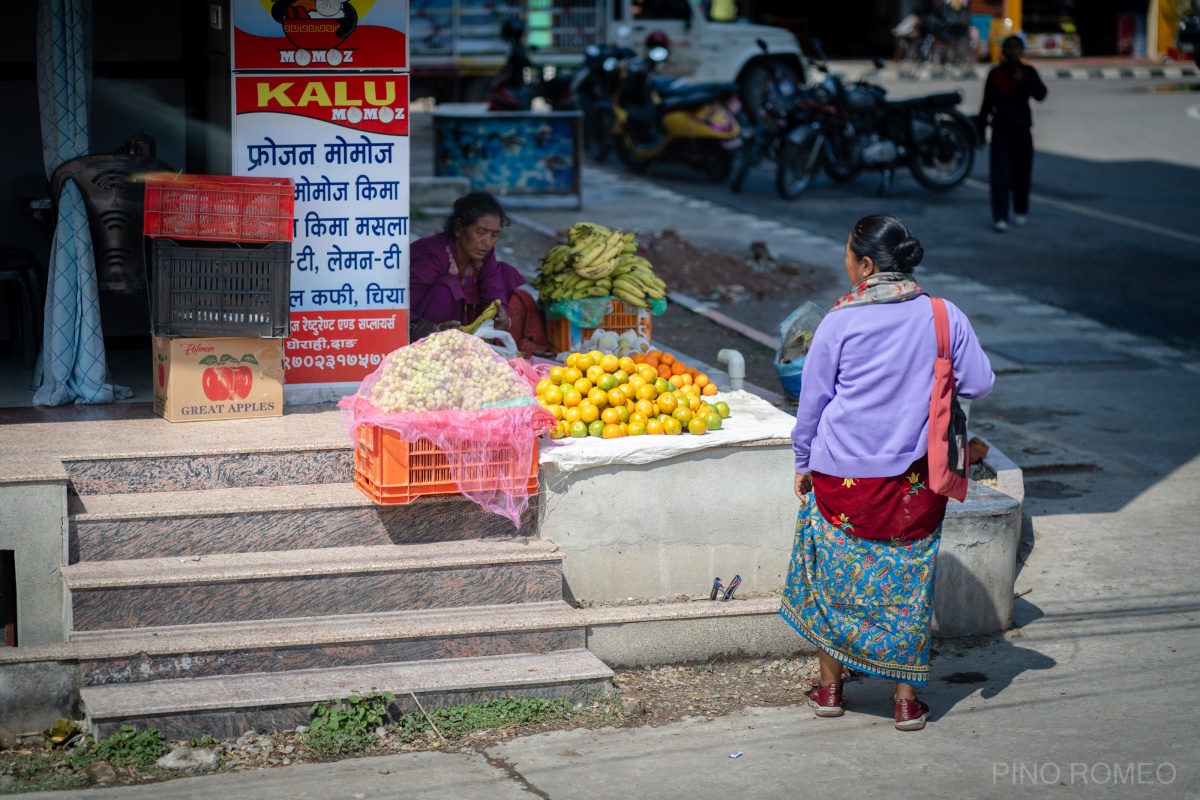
[477,409]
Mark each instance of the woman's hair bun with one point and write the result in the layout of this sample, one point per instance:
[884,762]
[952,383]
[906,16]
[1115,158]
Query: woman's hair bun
[908,254]
[888,242]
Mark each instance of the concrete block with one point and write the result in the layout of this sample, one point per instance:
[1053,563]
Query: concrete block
[745,525]
[427,192]
[34,527]
[34,694]
[719,512]
[973,590]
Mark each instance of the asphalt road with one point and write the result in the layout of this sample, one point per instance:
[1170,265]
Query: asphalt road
[1112,234]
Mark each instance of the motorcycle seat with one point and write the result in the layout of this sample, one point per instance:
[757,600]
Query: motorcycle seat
[687,102]
[940,100]
[671,87]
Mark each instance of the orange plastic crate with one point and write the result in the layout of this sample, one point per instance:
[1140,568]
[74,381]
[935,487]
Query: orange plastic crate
[219,208]
[621,317]
[391,471]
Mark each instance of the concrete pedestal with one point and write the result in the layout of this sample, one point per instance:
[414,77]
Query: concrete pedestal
[977,562]
[670,527]
[658,528]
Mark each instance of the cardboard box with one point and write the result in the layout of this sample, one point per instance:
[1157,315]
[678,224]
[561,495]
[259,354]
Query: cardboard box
[217,378]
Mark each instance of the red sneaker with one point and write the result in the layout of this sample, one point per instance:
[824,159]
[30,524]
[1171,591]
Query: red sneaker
[911,715]
[827,700]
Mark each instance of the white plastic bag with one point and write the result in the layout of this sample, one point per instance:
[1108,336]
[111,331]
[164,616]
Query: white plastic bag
[501,341]
[621,344]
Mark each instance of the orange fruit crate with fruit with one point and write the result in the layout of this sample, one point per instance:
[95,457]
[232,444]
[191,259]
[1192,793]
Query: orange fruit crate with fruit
[621,317]
[392,471]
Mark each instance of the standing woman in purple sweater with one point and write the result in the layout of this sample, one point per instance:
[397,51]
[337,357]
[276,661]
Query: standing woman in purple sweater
[860,583]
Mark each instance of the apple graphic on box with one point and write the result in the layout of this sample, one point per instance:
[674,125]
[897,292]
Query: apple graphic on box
[227,378]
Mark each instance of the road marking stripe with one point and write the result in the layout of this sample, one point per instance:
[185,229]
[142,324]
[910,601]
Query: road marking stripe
[1101,215]
[1194,112]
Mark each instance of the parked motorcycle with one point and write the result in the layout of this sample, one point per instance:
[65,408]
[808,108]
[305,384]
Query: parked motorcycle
[855,127]
[593,88]
[663,121]
[763,136]
[513,91]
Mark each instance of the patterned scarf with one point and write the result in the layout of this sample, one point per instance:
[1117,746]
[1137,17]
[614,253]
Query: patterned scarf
[882,287]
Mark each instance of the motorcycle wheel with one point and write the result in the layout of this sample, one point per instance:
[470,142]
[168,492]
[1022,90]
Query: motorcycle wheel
[841,172]
[752,87]
[597,137]
[631,162]
[715,162]
[947,160]
[797,167]
[746,158]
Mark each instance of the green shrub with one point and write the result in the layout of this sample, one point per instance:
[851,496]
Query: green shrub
[347,725]
[124,748]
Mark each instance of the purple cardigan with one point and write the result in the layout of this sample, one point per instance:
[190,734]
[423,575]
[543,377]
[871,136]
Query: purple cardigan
[436,295]
[864,392]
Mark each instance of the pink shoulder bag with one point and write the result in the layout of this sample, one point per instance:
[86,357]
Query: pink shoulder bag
[948,457]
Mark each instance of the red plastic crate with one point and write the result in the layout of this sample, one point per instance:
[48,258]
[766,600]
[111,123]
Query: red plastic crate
[621,317]
[219,208]
[391,471]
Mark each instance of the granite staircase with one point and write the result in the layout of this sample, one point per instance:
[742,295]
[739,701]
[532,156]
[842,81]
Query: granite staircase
[219,592]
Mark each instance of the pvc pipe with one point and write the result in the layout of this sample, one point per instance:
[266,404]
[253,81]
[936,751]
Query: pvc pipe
[735,366]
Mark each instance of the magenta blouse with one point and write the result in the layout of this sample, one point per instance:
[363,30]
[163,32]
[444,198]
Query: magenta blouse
[438,294]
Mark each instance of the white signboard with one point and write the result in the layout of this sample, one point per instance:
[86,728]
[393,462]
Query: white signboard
[344,140]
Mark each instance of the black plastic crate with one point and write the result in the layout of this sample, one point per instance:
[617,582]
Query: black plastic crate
[220,289]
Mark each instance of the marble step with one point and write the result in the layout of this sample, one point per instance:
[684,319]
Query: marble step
[214,469]
[195,651]
[227,706]
[192,590]
[269,518]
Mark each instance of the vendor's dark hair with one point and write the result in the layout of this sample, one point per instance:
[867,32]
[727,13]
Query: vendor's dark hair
[887,241]
[469,208]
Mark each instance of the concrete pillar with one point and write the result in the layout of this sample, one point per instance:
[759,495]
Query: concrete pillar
[34,527]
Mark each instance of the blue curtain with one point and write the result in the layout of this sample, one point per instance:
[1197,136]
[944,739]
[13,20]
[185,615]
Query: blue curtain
[73,365]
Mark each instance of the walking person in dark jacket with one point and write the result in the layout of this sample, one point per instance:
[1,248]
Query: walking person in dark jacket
[1006,108]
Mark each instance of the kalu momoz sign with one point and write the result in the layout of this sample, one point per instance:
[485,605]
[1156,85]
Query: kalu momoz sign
[344,140]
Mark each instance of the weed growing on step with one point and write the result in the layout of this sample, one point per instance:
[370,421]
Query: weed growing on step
[207,740]
[347,725]
[457,722]
[127,747]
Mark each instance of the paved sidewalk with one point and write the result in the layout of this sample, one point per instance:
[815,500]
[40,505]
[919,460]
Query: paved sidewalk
[1067,69]
[1093,693]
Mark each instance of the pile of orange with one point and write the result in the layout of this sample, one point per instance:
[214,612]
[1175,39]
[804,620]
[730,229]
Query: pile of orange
[674,370]
[601,395]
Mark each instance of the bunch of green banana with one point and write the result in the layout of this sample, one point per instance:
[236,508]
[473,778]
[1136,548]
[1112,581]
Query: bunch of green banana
[634,281]
[572,286]
[488,313]
[598,262]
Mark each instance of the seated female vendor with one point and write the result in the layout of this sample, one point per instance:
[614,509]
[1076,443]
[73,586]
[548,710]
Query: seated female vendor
[454,276]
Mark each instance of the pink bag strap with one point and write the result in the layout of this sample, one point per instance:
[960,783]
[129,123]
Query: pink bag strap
[941,326]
